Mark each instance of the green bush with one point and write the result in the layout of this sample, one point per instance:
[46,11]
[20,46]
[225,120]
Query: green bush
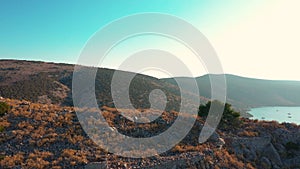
[2,157]
[1,129]
[230,118]
[4,108]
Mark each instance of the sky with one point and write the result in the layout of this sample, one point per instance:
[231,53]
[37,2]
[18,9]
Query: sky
[258,38]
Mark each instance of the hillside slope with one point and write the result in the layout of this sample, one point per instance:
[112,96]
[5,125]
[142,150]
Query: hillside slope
[52,83]
[40,136]
[247,92]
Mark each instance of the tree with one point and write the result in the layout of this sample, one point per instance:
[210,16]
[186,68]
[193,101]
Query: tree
[230,118]
[4,108]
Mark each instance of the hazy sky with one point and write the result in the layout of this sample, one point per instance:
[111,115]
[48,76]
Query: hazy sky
[252,38]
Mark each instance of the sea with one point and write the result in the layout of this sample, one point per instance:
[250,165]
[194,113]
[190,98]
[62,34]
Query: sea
[280,114]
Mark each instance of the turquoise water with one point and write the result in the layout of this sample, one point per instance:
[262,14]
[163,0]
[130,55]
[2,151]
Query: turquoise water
[280,114]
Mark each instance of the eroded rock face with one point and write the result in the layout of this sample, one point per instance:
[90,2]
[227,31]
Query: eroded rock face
[256,148]
[284,136]
[277,147]
[292,163]
[265,163]
[184,163]
[280,149]
[250,155]
[271,153]
[239,144]
[96,165]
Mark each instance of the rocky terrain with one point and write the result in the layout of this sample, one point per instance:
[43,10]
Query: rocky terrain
[35,135]
[48,83]
[41,129]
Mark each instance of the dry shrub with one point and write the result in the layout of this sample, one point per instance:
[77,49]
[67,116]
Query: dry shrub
[38,163]
[41,154]
[38,133]
[110,109]
[74,155]
[187,148]
[230,161]
[4,123]
[12,161]
[248,134]
[75,139]
[37,159]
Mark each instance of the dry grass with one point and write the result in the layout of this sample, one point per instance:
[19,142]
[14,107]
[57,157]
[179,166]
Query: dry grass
[54,138]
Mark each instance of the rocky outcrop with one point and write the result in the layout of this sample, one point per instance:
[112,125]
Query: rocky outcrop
[292,163]
[271,153]
[240,144]
[184,163]
[195,161]
[257,149]
[217,140]
[284,135]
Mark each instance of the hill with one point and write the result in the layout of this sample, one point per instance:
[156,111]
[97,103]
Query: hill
[248,92]
[40,136]
[41,129]
[47,83]
[43,82]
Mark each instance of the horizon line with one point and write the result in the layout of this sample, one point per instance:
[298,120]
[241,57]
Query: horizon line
[207,74]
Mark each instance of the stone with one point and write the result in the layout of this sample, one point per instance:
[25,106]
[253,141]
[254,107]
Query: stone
[271,153]
[250,155]
[280,149]
[292,162]
[265,163]
[96,165]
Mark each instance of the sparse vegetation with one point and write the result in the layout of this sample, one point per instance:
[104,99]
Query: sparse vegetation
[36,135]
[1,129]
[230,118]
[4,108]
[52,83]
[2,157]
[62,143]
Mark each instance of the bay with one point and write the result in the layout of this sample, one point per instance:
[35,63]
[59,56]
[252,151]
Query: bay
[280,114]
